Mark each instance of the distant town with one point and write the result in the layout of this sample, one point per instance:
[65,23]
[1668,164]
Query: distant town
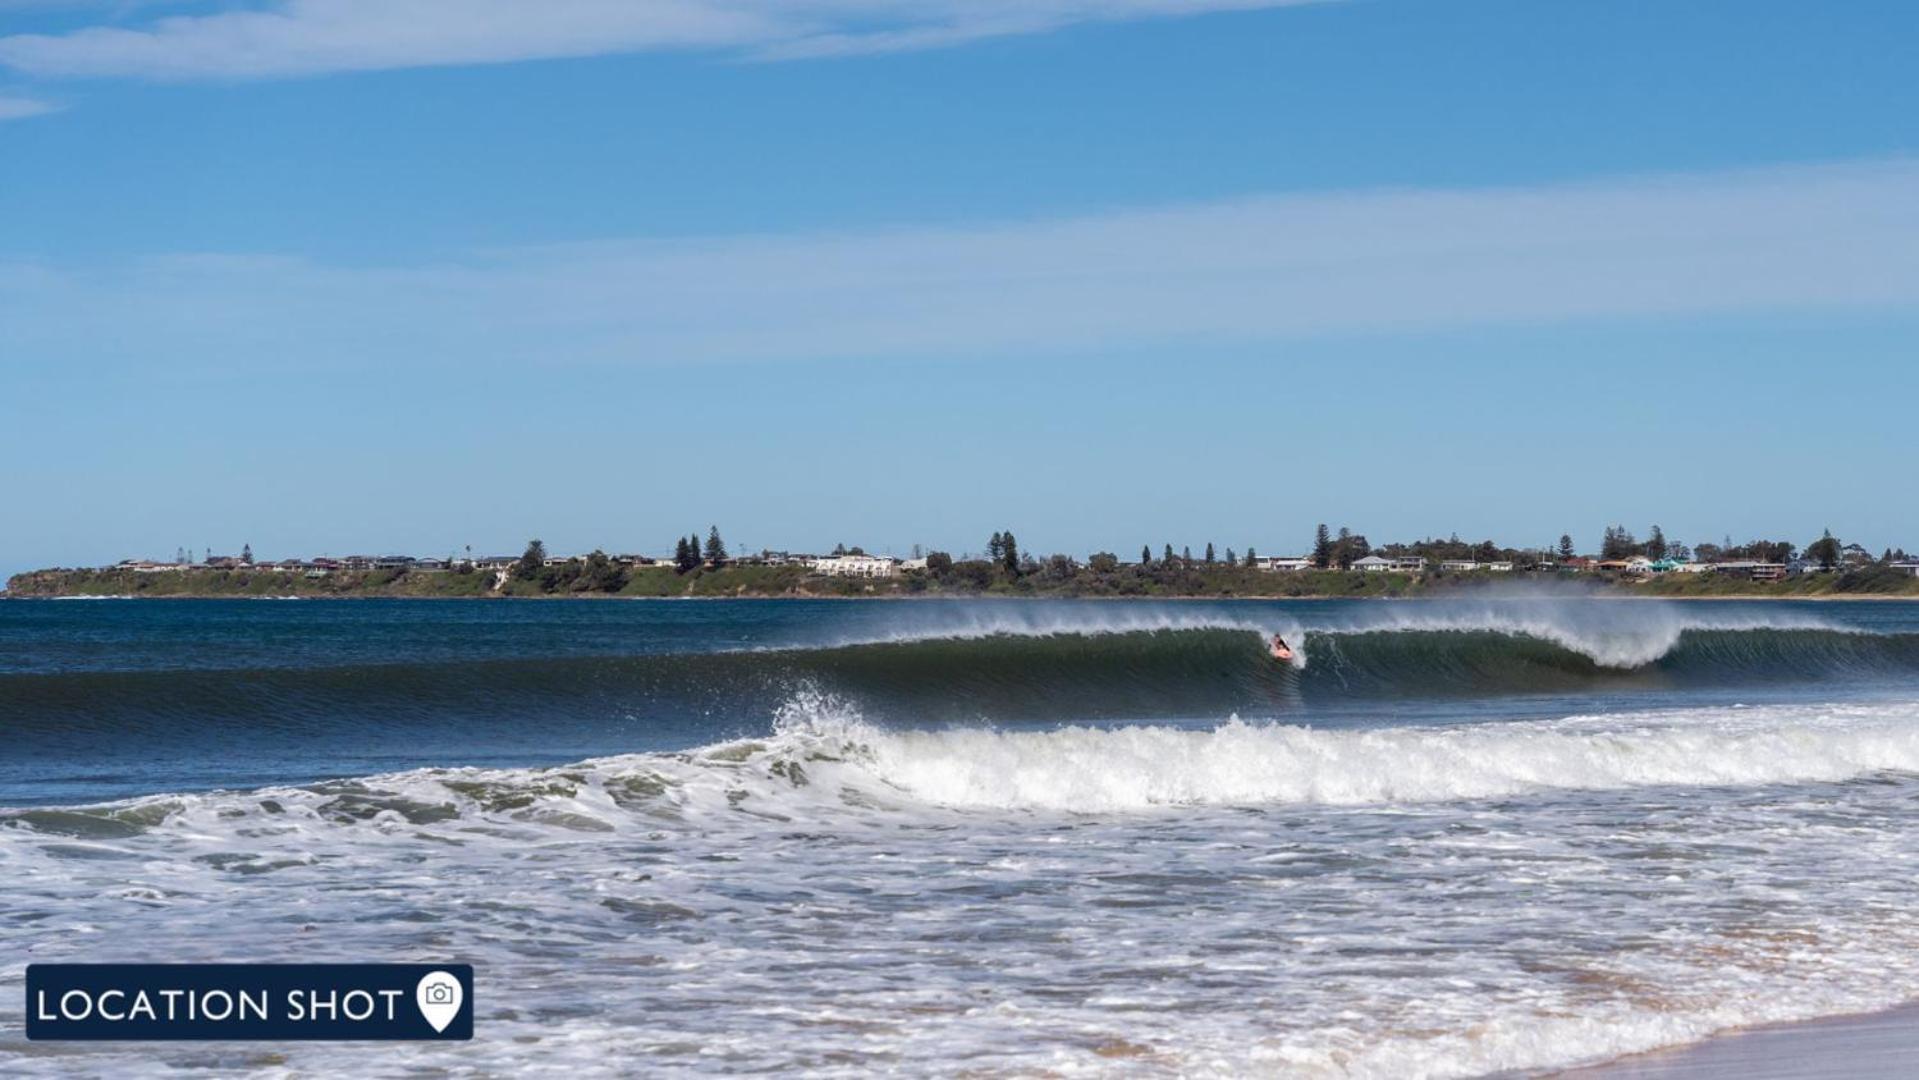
[1338,562]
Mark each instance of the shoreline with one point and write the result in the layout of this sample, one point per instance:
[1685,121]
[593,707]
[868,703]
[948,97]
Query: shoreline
[1880,1045]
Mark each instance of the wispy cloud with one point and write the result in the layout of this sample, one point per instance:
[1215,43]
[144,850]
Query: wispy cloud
[19,108]
[1251,270]
[307,37]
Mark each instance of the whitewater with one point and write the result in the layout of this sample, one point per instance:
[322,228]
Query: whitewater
[1453,841]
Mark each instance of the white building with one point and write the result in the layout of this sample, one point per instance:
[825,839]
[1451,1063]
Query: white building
[1283,563]
[1373,564]
[857,565]
[1459,565]
[1909,567]
[1500,566]
[914,564]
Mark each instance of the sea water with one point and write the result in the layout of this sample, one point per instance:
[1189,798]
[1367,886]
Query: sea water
[1452,838]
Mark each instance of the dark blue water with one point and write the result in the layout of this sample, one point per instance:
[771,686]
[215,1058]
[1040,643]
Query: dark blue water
[104,699]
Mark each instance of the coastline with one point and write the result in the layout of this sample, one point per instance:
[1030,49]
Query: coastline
[1879,1045]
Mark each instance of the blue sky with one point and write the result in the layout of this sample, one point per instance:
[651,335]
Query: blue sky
[335,275]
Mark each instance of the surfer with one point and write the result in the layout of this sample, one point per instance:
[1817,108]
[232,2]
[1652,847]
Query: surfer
[1280,649]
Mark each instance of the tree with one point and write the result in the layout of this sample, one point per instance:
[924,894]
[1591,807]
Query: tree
[246,554]
[532,560]
[1252,560]
[1619,543]
[1656,545]
[686,555]
[939,563]
[1824,551]
[1146,554]
[599,574]
[996,548]
[1186,555]
[715,547]
[1167,556]
[1322,548]
[1209,553]
[1231,559]
[1346,551]
[1565,547]
[1009,553]
[1103,562]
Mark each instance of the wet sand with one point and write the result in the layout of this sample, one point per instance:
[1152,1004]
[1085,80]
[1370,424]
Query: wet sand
[1868,1046]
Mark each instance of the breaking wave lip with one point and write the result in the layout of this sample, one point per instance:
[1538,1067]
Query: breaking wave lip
[1614,634]
[825,763]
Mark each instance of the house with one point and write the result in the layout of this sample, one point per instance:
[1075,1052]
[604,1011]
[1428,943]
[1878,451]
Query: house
[1404,564]
[1752,570]
[1908,567]
[857,565]
[432,564]
[1460,566]
[1283,563]
[1578,564]
[1498,566]
[393,562]
[494,562]
[914,564]
[147,566]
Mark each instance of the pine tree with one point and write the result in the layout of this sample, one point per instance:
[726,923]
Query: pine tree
[1322,548]
[1251,559]
[1186,555]
[1209,553]
[1231,559]
[996,548]
[246,554]
[1565,546]
[1146,554]
[715,547]
[1656,544]
[1009,553]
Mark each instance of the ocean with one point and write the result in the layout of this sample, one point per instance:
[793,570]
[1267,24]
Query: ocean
[1452,838]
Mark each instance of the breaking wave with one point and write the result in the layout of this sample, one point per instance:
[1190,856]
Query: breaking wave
[825,762]
[1197,668]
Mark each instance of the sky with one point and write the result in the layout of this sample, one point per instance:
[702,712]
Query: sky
[354,276]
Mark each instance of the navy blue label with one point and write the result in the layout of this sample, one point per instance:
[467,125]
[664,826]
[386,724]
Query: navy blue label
[279,1002]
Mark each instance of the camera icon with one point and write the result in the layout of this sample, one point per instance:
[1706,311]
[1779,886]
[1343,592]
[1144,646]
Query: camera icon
[440,993]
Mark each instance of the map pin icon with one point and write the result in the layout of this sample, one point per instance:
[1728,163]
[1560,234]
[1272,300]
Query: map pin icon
[439,996]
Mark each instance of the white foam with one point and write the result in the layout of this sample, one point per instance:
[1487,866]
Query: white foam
[1242,900]
[1100,770]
